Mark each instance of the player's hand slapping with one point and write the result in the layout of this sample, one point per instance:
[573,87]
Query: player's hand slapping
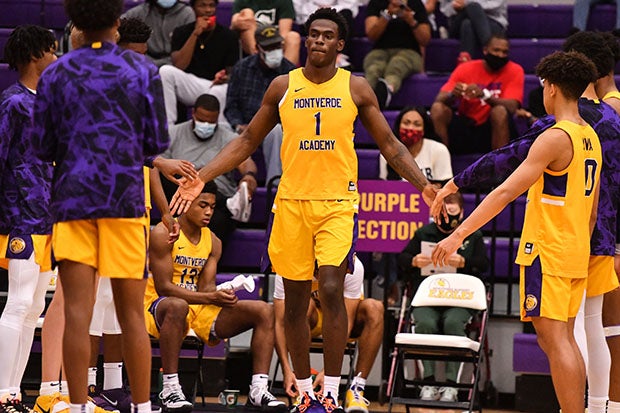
[446,248]
[185,194]
[438,211]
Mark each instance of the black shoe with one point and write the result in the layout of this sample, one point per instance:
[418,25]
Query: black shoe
[384,96]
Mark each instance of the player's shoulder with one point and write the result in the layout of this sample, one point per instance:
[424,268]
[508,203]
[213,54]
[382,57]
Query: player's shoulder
[159,234]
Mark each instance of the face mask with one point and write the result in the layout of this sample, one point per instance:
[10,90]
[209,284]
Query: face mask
[495,62]
[410,136]
[453,222]
[166,4]
[273,58]
[204,130]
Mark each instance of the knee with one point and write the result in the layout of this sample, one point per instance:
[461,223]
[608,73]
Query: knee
[473,7]
[175,310]
[372,312]
[499,115]
[17,310]
[440,112]
[167,72]
[454,326]
[466,28]
[265,314]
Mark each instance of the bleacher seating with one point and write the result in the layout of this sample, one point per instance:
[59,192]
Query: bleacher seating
[7,76]
[4,36]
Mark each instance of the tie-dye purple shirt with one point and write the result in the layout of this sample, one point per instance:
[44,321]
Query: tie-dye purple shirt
[494,167]
[98,114]
[24,179]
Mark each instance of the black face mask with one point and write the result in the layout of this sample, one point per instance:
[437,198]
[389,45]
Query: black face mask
[495,62]
[451,224]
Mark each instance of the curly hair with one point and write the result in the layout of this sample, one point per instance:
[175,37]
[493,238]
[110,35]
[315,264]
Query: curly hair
[612,42]
[133,30]
[327,13]
[592,45]
[92,15]
[570,71]
[26,43]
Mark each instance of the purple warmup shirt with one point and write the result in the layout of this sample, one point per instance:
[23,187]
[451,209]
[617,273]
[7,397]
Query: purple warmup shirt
[99,112]
[24,179]
[496,166]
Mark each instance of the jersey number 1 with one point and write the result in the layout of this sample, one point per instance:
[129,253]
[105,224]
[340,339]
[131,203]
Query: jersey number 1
[591,166]
[317,118]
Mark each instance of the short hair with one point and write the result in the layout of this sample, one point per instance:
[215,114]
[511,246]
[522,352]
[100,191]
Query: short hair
[93,15]
[26,43]
[210,188]
[612,42]
[133,30]
[327,13]
[429,129]
[498,36]
[455,198]
[193,2]
[570,71]
[592,46]
[208,102]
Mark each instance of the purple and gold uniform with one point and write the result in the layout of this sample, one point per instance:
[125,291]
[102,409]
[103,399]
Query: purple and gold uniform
[319,177]
[98,114]
[25,222]
[188,260]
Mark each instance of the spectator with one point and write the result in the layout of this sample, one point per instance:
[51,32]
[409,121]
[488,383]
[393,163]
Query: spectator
[486,93]
[474,22]
[182,295]
[365,323]
[162,16]
[346,8]
[247,14]
[248,82]
[415,129]
[535,109]
[202,54]
[470,258]
[581,12]
[198,140]
[400,31]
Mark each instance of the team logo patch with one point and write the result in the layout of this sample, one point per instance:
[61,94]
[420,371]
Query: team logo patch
[17,245]
[529,247]
[531,302]
[352,186]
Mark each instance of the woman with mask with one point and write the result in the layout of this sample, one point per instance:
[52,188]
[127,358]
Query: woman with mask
[470,258]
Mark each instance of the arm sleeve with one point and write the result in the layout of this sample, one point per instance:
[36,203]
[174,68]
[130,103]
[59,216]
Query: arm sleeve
[155,125]
[178,40]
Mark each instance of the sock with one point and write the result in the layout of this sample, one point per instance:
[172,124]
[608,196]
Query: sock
[141,407]
[358,382]
[49,387]
[112,375]
[305,386]
[64,388]
[613,407]
[92,376]
[77,408]
[170,381]
[596,404]
[330,386]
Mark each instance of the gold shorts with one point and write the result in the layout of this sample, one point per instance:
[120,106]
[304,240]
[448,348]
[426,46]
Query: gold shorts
[116,247]
[601,275]
[23,246]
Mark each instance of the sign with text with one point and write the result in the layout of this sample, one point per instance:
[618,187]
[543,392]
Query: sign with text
[390,213]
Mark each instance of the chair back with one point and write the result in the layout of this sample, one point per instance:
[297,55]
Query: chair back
[451,290]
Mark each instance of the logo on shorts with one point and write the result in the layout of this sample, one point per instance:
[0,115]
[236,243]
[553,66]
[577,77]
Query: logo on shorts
[529,247]
[352,186]
[531,302]
[17,245]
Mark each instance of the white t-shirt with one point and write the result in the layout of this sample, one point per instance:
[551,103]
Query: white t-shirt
[353,283]
[434,161]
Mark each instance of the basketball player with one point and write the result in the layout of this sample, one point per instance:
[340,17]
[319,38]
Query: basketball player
[314,214]
[25,222]
[562,171]
[98,147]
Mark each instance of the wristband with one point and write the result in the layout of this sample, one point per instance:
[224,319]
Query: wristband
[486,94]
[386,14]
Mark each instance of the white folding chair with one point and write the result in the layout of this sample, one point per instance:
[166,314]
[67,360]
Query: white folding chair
[442,290]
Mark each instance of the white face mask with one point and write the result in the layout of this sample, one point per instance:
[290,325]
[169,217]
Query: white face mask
[166,4]
[204,130]
[273,58]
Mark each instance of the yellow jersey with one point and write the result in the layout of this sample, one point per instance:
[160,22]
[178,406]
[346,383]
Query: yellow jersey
[558,209]
[318,158]
[188,259]
[147,188]
[612,94]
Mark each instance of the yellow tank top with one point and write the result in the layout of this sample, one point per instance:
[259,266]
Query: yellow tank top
[187,262]
[612,94]
[318,158]
[557,213]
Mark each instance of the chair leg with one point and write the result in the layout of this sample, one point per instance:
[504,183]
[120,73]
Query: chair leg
[397,376]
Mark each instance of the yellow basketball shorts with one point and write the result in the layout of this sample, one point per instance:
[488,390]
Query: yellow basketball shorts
[200,318]
[21,247]
[116,247]
[601,275]
[549,296]
[305,232]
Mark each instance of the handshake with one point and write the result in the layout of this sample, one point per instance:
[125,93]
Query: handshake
[240,282]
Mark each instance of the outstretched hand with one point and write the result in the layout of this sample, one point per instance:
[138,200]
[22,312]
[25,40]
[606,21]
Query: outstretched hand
[438,210]
[428,194]
[445,248]
[185,194]
[172,167]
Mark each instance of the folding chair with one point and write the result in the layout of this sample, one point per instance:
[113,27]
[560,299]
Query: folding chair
[442,290]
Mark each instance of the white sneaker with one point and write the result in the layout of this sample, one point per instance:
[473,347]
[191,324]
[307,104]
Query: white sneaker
[449,394]
[260,398]
[174,401]
[429,393]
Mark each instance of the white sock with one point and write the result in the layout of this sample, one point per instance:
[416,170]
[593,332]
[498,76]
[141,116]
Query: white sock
[92,376]
[77,408]
[613,407]
[596,404]
[358,382]
[64,388]
[49,387]
[112,375]
[305,386]
[330,387]
[170,381]
[141,407]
